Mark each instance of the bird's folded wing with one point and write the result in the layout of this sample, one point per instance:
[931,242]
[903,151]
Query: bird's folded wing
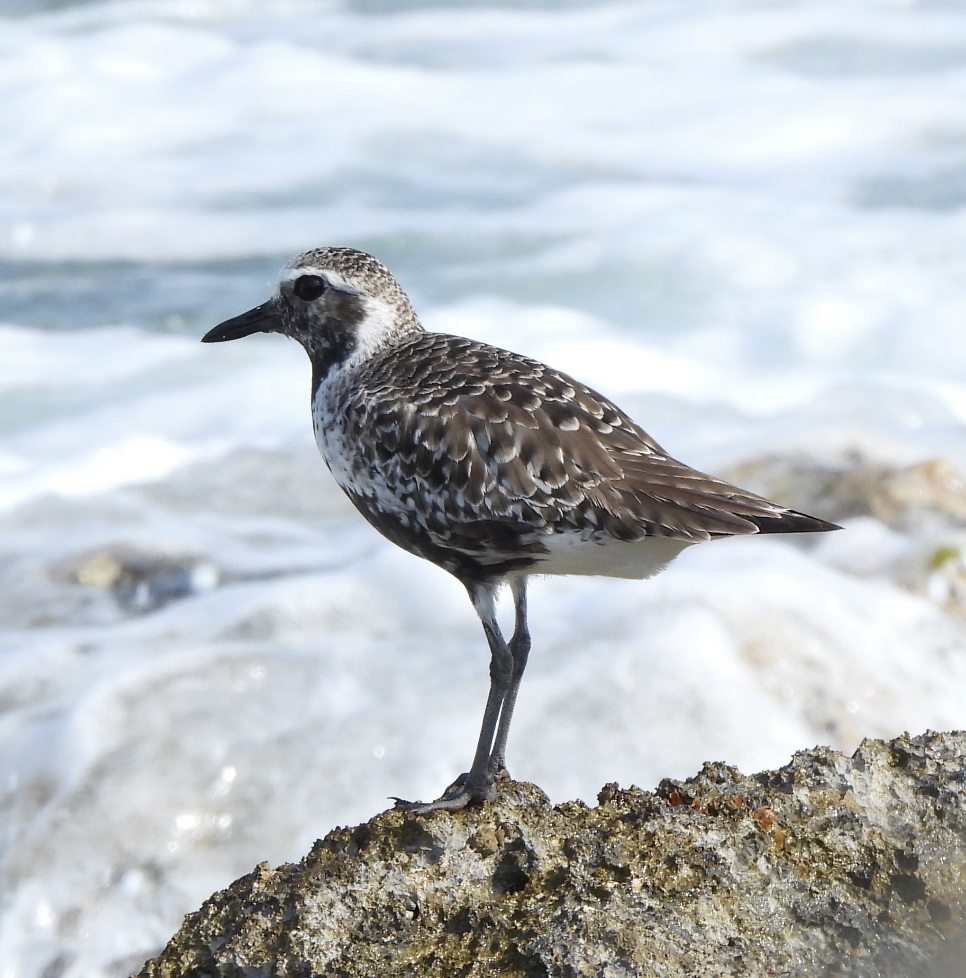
[523,443]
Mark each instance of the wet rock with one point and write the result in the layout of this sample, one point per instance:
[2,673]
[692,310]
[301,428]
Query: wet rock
[906,523]
[140,582]
[833,865]
[906,498]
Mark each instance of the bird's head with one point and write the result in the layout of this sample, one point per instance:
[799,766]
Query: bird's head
[342,305]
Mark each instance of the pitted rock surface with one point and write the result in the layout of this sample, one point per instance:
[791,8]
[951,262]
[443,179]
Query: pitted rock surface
[832,865]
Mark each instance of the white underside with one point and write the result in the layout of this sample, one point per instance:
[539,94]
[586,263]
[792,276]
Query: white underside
[572,554]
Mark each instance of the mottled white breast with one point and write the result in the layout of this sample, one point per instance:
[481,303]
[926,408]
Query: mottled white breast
[340,456]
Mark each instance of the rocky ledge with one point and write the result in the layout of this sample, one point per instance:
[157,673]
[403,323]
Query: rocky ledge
[832,865]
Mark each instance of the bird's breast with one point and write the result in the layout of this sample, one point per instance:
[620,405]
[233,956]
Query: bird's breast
[337,442]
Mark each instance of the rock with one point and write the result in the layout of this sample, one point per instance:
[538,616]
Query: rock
[833,865]
[902,497]
[139,581]
[924,505]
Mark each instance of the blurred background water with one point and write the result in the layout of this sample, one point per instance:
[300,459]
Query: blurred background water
[743,219]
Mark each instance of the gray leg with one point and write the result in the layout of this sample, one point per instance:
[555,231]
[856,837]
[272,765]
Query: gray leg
[478,784]
[520,650]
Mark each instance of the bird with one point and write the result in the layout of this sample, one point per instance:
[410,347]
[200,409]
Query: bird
[489,464]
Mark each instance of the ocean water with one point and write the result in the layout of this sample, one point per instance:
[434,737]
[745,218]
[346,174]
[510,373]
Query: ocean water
[745,221]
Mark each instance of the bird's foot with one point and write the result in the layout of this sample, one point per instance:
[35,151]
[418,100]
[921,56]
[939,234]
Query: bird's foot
[457,796]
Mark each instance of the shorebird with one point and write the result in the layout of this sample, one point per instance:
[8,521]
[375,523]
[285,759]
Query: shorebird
[489,464]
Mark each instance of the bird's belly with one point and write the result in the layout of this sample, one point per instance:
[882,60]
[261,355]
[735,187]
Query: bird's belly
[571,553]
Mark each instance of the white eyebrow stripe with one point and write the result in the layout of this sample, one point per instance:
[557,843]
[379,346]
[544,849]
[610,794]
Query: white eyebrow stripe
[333,278]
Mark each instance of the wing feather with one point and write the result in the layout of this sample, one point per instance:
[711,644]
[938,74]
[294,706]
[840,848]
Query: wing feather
[498,438]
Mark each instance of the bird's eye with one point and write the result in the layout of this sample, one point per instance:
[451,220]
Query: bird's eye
[309,287]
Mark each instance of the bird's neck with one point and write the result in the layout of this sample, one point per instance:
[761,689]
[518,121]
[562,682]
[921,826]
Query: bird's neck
[334,364]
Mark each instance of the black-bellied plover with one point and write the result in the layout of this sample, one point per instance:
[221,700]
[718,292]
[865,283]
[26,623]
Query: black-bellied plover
[487,463]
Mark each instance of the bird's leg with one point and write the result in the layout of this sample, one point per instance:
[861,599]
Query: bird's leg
[520,650]
[477,785]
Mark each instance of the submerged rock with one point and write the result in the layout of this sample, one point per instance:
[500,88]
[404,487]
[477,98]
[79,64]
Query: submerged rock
[833,865]
[906,523]
[139,581]
[905,498]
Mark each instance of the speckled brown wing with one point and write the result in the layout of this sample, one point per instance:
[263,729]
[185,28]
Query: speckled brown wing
[483,446]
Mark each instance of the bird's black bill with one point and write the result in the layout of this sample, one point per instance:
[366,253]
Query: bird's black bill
[261,319]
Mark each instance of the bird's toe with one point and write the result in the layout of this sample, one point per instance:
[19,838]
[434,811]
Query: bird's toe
[457,796]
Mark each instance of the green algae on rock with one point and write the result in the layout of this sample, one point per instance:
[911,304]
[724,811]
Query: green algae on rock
[833,865]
